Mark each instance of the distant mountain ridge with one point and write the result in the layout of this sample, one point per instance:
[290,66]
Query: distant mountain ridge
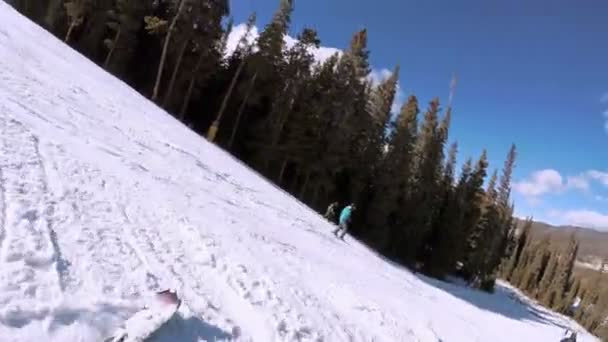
[593,243]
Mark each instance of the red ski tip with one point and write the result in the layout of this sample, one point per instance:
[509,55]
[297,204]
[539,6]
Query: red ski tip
[168,296]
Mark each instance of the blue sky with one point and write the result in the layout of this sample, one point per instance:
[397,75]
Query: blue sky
[530,72]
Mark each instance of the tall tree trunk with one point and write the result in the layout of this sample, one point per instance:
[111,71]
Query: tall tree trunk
[241,108]
[178,63]
[283,118]
[303,190]
[282,172]
[315,194]
[294,185]
[111,52]
[70,29]
[215,126]
[182,112]
[163,56]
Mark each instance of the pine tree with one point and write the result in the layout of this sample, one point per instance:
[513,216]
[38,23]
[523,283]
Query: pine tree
[428,160]
[471,202]
[270,63]
[563,280]
[504,231]
[521,243]
[544,292]
[398,175]
[373,209]
[271,44]
[534,271]
[296,75]
[446,226]
[481,238]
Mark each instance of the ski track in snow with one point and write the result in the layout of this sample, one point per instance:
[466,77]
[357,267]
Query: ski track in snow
[105,199]
[31,265]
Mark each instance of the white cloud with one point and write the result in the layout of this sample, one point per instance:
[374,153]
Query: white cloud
[378,75]
[600,198]
[540,183]
[604,99]
[583,218]
[579,182]
[550,181]
[599,176]
[321,54]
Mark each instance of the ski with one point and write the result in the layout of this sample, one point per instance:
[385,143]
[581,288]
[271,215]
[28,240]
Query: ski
[145,322]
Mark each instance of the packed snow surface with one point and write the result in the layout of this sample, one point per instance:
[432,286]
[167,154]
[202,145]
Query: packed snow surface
[105,199]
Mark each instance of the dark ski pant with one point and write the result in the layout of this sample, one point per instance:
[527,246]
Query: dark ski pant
[341,227]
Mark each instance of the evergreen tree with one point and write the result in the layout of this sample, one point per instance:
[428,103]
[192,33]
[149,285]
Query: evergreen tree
[535,270]
[446,226]
[563,280]
[379,207]
[270,63]
[481,238]
[471,196]
[544,292]
[397,176]
[521,243]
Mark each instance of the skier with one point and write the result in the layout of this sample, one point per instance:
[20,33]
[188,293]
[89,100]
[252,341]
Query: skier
[330,214]
[345,217]
[569,336]
[574,307]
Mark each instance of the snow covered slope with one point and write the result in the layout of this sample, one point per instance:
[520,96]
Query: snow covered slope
[104,199]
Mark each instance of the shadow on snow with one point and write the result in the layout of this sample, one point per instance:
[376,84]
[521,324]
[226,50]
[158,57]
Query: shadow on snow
[192,329]
[503,301]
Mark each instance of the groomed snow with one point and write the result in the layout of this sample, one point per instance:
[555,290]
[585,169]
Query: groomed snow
[104,199]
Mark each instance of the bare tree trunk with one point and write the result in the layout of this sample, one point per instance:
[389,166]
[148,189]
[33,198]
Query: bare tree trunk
[215,126]
[294,186]
[315,196]
[163,56]
[282,172]
[70,29]
[111,52]
[283,117]
[178,63]
[241,108]
[182,112]
[303,190]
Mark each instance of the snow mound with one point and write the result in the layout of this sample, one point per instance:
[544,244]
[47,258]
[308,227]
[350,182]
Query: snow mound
[105,199]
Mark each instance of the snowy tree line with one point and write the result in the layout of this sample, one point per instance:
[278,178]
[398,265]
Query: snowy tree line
[547,273]
[321,131]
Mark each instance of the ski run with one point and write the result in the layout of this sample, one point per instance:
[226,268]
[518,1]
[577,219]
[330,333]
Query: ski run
[105,200]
